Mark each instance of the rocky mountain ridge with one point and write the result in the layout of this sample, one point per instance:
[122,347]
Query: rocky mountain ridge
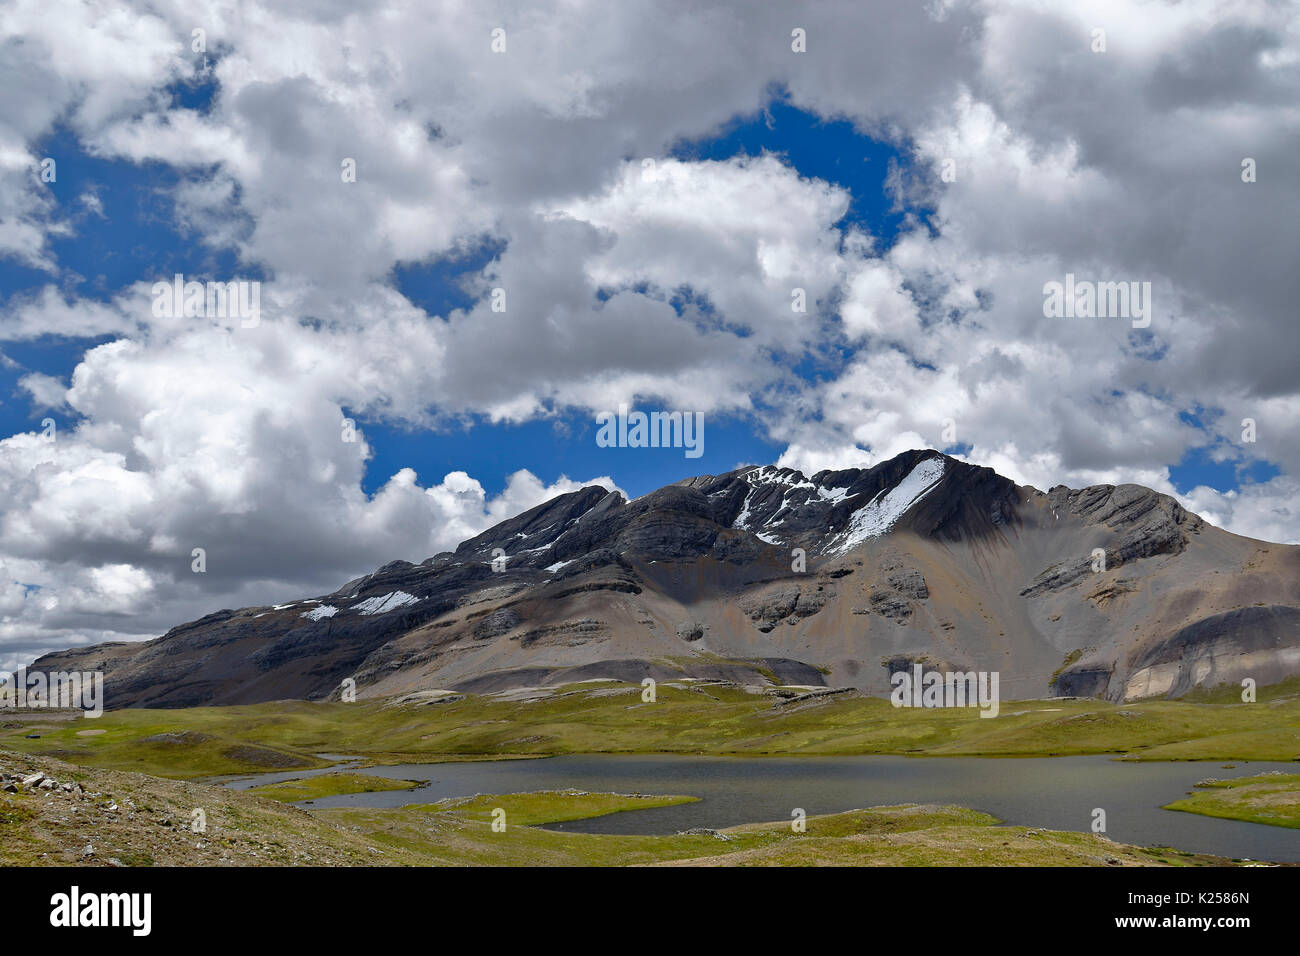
[766,575]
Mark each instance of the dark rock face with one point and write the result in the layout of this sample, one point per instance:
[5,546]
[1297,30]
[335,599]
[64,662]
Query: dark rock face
[1258,642]
[910,583]
[1149,524]
[534,588]
[971,503]
[928,662]
[786,602]
[788,508]
[1250,629]
[1083,681]
[568,632]
[1253,642]
[691,631]
[785,671]
[538,527]
[497,623]
[891,605]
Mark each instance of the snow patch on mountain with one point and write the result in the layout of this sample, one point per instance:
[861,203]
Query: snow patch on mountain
[882,512]
[771,475]
[834,495]
[383,603]
[742,519]
[318,613]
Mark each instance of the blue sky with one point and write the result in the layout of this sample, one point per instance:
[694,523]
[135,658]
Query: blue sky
[829,150]
[134,235]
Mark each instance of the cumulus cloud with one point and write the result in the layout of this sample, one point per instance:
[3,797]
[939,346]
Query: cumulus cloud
[1267,511]
[201,439]
[46,391]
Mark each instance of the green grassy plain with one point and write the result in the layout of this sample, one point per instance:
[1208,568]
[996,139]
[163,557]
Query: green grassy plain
[286,735]
[1269,798]
[329,785]
[458,832]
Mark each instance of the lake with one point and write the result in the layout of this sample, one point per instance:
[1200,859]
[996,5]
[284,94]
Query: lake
[1058,793]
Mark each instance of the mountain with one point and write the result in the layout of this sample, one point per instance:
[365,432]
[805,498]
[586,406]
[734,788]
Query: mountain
[763,574]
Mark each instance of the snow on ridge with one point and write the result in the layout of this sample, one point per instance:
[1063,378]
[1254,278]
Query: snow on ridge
[882,512]
[771,475]
[540,547]
[319,613]
[559,564]
[743,518]
[383,603]
[834,495]
[766,475]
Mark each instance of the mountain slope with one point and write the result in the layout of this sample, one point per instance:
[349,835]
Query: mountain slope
[765,574]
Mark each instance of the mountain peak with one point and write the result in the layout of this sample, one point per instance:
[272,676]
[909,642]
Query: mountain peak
[765,570]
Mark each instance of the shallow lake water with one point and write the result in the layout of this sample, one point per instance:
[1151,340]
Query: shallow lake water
[1059,793]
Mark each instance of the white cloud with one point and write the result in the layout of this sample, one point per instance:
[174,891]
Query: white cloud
[46,390]
[1268,511]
